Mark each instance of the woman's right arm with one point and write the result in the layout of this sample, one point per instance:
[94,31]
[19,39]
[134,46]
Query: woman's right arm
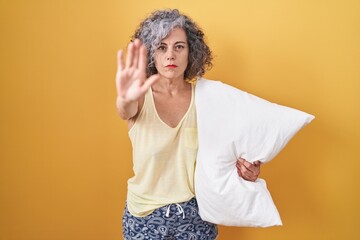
[131,82]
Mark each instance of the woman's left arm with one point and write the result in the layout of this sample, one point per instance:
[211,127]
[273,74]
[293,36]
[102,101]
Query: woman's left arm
[248,171]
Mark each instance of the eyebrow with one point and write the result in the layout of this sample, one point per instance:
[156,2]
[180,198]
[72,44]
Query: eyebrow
[162,43]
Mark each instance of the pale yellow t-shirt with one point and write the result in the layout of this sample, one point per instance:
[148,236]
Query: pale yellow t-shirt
[163,159]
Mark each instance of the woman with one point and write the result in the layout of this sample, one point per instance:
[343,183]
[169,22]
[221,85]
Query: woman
[155,95]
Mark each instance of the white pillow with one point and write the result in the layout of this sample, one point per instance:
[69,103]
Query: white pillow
[234,124]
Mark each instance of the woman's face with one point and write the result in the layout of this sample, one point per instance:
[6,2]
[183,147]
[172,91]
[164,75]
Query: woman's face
[171,56]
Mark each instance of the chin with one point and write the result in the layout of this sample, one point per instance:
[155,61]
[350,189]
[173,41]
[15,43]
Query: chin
[171,76]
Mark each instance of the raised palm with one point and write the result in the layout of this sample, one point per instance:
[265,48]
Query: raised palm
[131,82]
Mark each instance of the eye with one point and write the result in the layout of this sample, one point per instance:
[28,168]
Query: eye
[179,47]
[161,48]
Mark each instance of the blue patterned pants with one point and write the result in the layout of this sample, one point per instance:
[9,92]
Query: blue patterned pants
[174,221]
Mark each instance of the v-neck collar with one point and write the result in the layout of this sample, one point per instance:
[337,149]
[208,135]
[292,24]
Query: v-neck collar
[182,119]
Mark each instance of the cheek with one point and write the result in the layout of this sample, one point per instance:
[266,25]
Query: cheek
[186,60]
[157,61]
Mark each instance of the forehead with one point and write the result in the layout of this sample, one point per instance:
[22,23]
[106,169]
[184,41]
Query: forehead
[175,35]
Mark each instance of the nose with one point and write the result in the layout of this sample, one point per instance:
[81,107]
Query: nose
[170,54]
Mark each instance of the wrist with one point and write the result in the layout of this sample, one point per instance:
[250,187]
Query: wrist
[121,101]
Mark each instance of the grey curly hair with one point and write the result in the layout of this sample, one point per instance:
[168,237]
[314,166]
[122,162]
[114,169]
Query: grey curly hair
[159,24]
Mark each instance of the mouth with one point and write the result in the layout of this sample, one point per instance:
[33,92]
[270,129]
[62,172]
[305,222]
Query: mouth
[171,66]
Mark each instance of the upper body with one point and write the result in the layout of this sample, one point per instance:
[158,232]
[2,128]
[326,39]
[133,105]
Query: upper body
[155,97]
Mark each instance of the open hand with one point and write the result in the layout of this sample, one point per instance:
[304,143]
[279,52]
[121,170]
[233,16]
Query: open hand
[131,82]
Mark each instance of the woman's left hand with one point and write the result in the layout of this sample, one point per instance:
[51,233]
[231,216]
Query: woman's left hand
[248,171]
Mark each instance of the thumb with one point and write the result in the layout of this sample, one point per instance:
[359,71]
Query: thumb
[257,163]
[150,81]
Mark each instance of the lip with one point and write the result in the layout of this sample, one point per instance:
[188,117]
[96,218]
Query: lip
[171,66]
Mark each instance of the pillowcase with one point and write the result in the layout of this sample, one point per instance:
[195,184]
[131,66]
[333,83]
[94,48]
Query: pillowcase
[234,124]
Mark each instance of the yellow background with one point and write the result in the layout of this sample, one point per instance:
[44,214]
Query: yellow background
[65,155]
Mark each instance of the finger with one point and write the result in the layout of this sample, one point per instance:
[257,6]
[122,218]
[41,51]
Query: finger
[250,166]
[142,64]
[242,160]
[130,55]
[251,179]
[247,174]
[137,45]
[239,166]
[245,163]
[150,81]
[239,172]
[248,177]
[120,59]
[244,170]
[257,163]
[256,167]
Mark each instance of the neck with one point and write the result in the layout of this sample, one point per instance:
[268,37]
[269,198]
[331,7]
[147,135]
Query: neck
[171,86]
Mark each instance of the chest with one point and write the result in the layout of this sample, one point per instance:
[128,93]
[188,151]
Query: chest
[172,109]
